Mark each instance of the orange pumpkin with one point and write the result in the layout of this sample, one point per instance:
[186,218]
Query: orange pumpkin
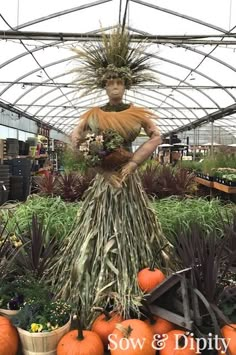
[8,337]
[159,325]
[229,332]
[105,324]
[84,342]
[149,278]
[175,345]
[132,337]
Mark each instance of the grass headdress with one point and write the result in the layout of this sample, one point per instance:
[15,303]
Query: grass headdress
[114,56]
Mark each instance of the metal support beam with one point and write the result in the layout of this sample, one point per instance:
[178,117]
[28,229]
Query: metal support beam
[61,13]
[212,137]
[177,14]
[145,86]
[194,144]
[11,108]
[66,36]
[229,110]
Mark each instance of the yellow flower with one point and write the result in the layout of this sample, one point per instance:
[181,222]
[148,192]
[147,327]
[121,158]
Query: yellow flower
[17,243]
[13,237]
[36,327]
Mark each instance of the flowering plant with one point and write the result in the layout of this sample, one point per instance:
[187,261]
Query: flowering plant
[11,296]
[37,316]
[97,147]
[15,290]
[38,311]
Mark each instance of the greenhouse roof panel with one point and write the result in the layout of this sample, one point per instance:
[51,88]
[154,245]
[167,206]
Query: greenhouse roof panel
[193,54]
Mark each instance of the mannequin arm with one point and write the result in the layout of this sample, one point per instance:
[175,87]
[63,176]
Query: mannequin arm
[78,135]
[147,148]
[144,151]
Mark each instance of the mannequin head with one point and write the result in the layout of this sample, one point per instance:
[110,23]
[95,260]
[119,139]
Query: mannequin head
[115,89]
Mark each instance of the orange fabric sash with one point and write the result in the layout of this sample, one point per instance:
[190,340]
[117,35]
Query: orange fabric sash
[127,122]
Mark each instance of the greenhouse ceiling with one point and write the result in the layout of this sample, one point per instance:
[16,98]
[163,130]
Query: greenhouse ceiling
[192,46]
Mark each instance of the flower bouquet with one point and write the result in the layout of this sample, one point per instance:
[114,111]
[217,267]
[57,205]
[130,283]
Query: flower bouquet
[104,150]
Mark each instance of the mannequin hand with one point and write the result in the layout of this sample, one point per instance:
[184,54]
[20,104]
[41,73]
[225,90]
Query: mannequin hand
[128,169]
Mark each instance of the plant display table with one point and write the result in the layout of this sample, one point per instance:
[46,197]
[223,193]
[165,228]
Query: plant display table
[204,182]
[216,185]
[224,188]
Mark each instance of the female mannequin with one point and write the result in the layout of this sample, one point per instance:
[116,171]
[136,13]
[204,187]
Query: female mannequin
[116,233]
[115,89]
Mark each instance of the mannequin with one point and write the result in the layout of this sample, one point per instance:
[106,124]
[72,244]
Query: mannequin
[116,233]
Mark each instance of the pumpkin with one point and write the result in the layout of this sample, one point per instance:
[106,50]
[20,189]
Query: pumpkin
[104,325]
[132,337]
[229,332]
[159,325]
[149,278]
[174,344]
[78,343]
[8,337]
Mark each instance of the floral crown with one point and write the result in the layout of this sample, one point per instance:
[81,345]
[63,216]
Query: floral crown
[113,57]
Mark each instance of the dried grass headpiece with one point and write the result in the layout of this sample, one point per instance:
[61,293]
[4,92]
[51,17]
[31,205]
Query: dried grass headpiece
[113,57]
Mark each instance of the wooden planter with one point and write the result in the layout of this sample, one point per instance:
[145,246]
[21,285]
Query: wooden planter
[44,343]
[8,313]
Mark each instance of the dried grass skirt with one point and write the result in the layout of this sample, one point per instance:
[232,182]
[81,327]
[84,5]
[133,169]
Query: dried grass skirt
[115,235]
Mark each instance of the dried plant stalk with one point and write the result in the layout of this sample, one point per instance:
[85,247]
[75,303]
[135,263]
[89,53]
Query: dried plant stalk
[116,234]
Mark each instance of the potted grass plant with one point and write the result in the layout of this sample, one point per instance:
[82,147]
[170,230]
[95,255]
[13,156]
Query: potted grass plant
[9,303]
[40,320]
[211,258]
[36,251]
[24,259]
[162,181]
[70,185]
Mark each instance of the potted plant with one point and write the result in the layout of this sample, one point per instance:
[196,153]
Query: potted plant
[37,249]
[210,258]
[24,258]
[15,290]
[11,297]
[42,321]
[8,252]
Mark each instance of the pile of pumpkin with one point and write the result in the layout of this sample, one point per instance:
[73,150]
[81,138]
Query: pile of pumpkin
[121,337]
[133,336]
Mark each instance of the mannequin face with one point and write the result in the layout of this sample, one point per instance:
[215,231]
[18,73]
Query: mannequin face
[115,89]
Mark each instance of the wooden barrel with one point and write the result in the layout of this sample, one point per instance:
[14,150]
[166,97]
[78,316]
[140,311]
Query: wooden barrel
[44,343]
[8,313]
